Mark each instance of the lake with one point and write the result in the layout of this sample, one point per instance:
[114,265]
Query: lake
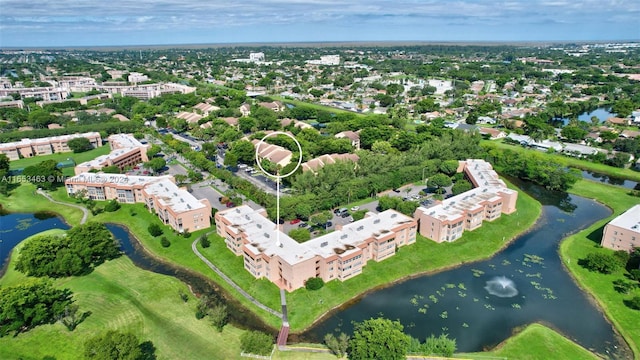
[481,304]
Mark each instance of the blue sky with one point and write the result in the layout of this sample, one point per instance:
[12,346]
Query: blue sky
[38,23]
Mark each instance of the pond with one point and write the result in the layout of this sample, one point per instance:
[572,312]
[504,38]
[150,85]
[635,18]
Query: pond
[593,176]
[481,304]
[15,227]
[601,113]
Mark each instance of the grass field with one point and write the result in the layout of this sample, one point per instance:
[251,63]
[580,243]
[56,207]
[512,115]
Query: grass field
[78,158]
[25,199]
[575,162]
[121,296]
[599,285]
[535,342]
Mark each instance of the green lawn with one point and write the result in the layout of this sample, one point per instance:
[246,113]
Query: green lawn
[535,342]
[575,162]
[25,199]
[424,256]
[78,158]
[121,296]
[314,106]
[599,285]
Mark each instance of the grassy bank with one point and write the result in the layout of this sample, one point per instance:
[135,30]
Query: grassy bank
[77,157]
[424,256]
[599,285]
[535,342]
[121,296]
[576,163]
[25,199]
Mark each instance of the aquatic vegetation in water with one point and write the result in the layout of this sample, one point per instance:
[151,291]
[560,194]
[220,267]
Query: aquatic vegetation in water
[422,311]
[477,273]
[465,325]
[534,259]
[450,286]
[444,314]
[461,286]
[516,306]
[433,298]
[506,262]
[24,224]
[461,294]
[538,275]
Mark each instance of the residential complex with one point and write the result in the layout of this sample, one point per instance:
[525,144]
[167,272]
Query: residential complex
[446,221]
[126,151]
[316,164]
[269,253]
[623,232]
[26,148]
[174,206]
[274,153]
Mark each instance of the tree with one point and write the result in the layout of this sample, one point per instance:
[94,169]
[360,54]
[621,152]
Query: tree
[117,345]
[43,175]
[165,242]
[154,229]
[244,151]
[573,133]
[449,167]
[79,145]
[633,303]
[321,218]
[339,345]
[84,247]
[314,283]
[256,342]
[70,317]
[601,262]
[440,181]
[153,150]
[219,316]
[622,286]
[31,303]
[111,169]
[461,186]
[204,241]
[156,164]
[300,235]
[4,164]
[441,346]
[378,339]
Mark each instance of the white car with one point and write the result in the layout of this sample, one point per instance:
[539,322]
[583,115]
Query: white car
[355,208]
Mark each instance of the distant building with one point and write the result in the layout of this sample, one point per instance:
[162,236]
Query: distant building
[276,106]
[269,253]
[26,148]
[623,232]
[136,77]
[256,57]
[316,164]
[126,151]
[174,206]
[446,221]
[245,109]
[351,135]
[326,60]
[274,153]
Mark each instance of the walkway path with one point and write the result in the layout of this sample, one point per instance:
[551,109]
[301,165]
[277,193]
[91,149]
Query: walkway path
[230,282]
[85,212]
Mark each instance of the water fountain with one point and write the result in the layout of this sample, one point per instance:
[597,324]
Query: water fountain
[501,286]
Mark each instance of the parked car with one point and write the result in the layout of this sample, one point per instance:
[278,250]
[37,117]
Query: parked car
[294,221]
[345,214]
[302,225]
[328,224]
[230,204]
[355,208]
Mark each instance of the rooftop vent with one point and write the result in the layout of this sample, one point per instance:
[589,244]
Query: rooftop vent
[259,226]
[267,235]
[376,221]
[344,236]
[324,244]
[247,217]
[188,206]
[360,228]
[393,215]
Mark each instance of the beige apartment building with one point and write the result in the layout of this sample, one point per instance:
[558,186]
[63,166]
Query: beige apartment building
[447,220]
[126,151]
[174,206]
[26,148]
[269,253]
[623,232]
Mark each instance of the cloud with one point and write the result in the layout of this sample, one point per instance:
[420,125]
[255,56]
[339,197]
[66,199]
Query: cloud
[20,18]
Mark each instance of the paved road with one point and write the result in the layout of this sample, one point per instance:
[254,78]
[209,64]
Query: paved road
[230,282]
[85,212]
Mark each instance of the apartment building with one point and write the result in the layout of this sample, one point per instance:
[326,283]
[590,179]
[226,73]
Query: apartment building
[274,153]
[174,206]
[351,135]
[126,151]
[623,232]
[316,164]
[487,201]
[45,146]
[269,253]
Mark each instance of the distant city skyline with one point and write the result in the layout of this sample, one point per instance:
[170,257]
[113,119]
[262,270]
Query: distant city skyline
[39,23]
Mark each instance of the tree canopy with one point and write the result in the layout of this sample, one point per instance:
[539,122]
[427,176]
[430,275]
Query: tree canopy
[79,145]
[33,302]
[378,339]
[84,247]
[117,345]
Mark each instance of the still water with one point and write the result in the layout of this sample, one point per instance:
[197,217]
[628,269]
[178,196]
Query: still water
[481,304]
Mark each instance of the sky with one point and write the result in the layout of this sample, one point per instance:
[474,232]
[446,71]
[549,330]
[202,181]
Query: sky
[60,23]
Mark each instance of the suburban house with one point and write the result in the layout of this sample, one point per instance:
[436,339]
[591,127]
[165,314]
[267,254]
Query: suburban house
[126,151]
[205,108]
[316,163]
[623,232]
[351,135]
[245,109]
[274,153]
[26,148]
[276,106]
[190,117]
[447,220]
[176,207]
[269,253]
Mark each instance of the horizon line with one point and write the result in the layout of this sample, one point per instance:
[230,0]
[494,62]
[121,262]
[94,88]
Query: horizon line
[316,43]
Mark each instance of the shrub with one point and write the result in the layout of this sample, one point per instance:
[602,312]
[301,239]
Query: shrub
[204,241]
[601,262]
[165,242]
[314,283]
[186,234]
[633,303]
[155,229]
[256,342]
[219,316]
[112,206]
